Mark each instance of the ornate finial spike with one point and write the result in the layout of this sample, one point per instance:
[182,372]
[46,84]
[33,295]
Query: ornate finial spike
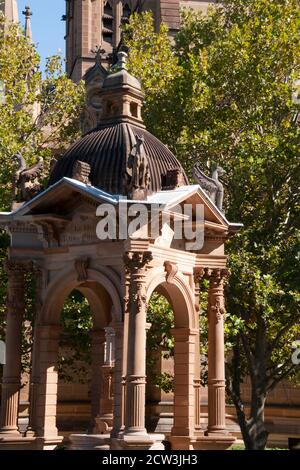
[122,60]
[27,12]
[100,54]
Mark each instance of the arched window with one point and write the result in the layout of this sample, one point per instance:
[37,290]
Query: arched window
[108,23]
[126,13]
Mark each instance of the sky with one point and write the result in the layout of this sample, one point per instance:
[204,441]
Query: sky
[47,28]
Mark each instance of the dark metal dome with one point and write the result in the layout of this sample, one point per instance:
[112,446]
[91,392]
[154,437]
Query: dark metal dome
[106,150]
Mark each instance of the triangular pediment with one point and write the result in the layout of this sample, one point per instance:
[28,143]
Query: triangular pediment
[194,195]
[63,197]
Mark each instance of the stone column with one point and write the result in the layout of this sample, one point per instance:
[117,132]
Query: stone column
[198,275]
[34,376]
[97,353]
[34,386]
[184,372]
[12,369]
[48,378]
[119,385]
[136,265]
[216,360]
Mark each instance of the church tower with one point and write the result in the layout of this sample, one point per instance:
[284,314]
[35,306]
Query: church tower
[9,8]
[91,23]
[93,30]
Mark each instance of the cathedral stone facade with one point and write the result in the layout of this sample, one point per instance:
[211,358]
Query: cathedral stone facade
[91,23]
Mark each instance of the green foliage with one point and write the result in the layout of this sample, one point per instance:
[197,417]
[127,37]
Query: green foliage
[230,100]
[159,340]
[39,117]
[75,343]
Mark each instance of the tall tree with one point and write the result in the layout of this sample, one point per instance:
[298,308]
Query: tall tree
[39,117]
[231,98]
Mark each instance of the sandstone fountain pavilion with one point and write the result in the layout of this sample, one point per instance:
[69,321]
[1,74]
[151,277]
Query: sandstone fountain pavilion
[54,237]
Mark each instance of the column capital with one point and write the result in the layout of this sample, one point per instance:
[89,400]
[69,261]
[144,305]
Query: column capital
[136,260]
[199,274]
[217,275]
[15,266]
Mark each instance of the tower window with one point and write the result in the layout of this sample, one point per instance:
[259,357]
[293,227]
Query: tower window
[126,13]
[134,109]
[108,23]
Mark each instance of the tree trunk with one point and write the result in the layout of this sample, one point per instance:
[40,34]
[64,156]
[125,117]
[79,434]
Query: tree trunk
[253,429]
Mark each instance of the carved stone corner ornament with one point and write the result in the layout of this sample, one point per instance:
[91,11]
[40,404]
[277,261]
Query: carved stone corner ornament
[27,181]
[211,184]
[81,172]
[81,266]
[171,270]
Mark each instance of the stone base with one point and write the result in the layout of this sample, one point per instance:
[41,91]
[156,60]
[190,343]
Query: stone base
[17,443]
[48,443]
[139,442]
[89,442]
[215,442]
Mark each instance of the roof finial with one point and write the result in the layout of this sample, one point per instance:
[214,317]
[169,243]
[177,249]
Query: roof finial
[99,54]
[122,60]
[28,13]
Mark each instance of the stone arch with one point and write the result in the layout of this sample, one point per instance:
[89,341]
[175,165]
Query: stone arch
[186,352]
[99,288]
[178,293]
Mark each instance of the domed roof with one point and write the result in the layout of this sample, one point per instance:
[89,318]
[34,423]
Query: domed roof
[124,158]
[106,150]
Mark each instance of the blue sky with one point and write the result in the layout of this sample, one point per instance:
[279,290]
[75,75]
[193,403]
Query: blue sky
[47,28]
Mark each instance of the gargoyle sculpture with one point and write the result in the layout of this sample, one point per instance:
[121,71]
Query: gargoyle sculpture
[26,183]
[211,185]
[137,171]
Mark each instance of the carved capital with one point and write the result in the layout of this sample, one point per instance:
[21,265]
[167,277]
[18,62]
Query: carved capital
[171,270]
[16,268]
[217,275]
[216,292]
[81,266]
[135,261]
[199,274]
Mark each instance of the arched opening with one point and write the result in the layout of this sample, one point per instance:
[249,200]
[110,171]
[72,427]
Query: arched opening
[76,355]
[181,375]
[74,365]
[159,365]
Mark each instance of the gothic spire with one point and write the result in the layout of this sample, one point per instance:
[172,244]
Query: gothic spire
[28,32]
